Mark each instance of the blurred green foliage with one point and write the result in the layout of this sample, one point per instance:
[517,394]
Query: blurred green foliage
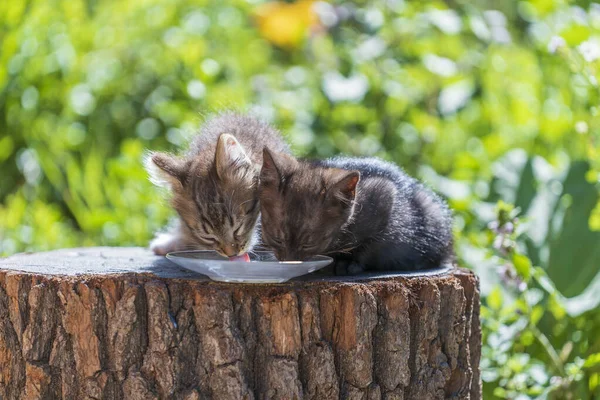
[487,101]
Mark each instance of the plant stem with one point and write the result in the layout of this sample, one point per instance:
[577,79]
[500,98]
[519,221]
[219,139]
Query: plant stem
[558,364]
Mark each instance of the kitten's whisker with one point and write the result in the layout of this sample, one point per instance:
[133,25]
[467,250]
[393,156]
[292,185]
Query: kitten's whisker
[342,250]
[247,201]
[195,248]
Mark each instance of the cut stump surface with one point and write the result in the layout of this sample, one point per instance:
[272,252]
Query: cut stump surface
[120,323]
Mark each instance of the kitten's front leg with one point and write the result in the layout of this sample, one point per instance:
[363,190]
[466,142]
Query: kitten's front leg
[347,267]
[172,240]
[340,267]
[164,243]
[355,268]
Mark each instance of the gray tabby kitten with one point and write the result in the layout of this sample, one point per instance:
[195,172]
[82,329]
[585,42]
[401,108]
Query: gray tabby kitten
[366,213]
[214,186]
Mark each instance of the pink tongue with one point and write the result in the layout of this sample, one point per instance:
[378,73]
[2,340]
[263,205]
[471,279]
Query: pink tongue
[244,257]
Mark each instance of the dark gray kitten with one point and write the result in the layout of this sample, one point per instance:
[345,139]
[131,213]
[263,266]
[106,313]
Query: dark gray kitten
[365,212]
[214,185]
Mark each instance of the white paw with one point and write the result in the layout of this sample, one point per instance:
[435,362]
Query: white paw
[163,243]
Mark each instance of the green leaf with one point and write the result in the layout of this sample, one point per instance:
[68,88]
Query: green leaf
[592,360]
[536,314]
[559,204]
[494,299]
[587,301]
[522,265]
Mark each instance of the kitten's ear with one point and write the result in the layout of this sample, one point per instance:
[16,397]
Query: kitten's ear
[344,187]
[230,157]
[166,170]
[270,173]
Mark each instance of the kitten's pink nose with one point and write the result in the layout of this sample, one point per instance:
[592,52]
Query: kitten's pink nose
[230,250]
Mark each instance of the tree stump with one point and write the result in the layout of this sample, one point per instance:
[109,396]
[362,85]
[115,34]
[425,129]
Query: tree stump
[119,323]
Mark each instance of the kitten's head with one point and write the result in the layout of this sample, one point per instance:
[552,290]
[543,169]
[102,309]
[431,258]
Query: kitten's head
[303,207]
[218,204]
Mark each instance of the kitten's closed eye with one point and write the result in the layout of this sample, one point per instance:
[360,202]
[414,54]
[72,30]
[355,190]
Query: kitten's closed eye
[250,206]
[238,231]
[210,240]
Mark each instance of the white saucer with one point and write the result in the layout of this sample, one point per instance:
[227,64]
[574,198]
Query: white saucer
[262,268]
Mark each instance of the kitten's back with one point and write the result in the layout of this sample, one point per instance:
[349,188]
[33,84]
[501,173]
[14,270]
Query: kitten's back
[418,216]
[252,133]
[371,167]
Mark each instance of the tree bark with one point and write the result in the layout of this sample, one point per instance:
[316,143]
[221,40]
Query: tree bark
[119,323]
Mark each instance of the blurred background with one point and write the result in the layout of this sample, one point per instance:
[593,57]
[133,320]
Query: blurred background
[493,104]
